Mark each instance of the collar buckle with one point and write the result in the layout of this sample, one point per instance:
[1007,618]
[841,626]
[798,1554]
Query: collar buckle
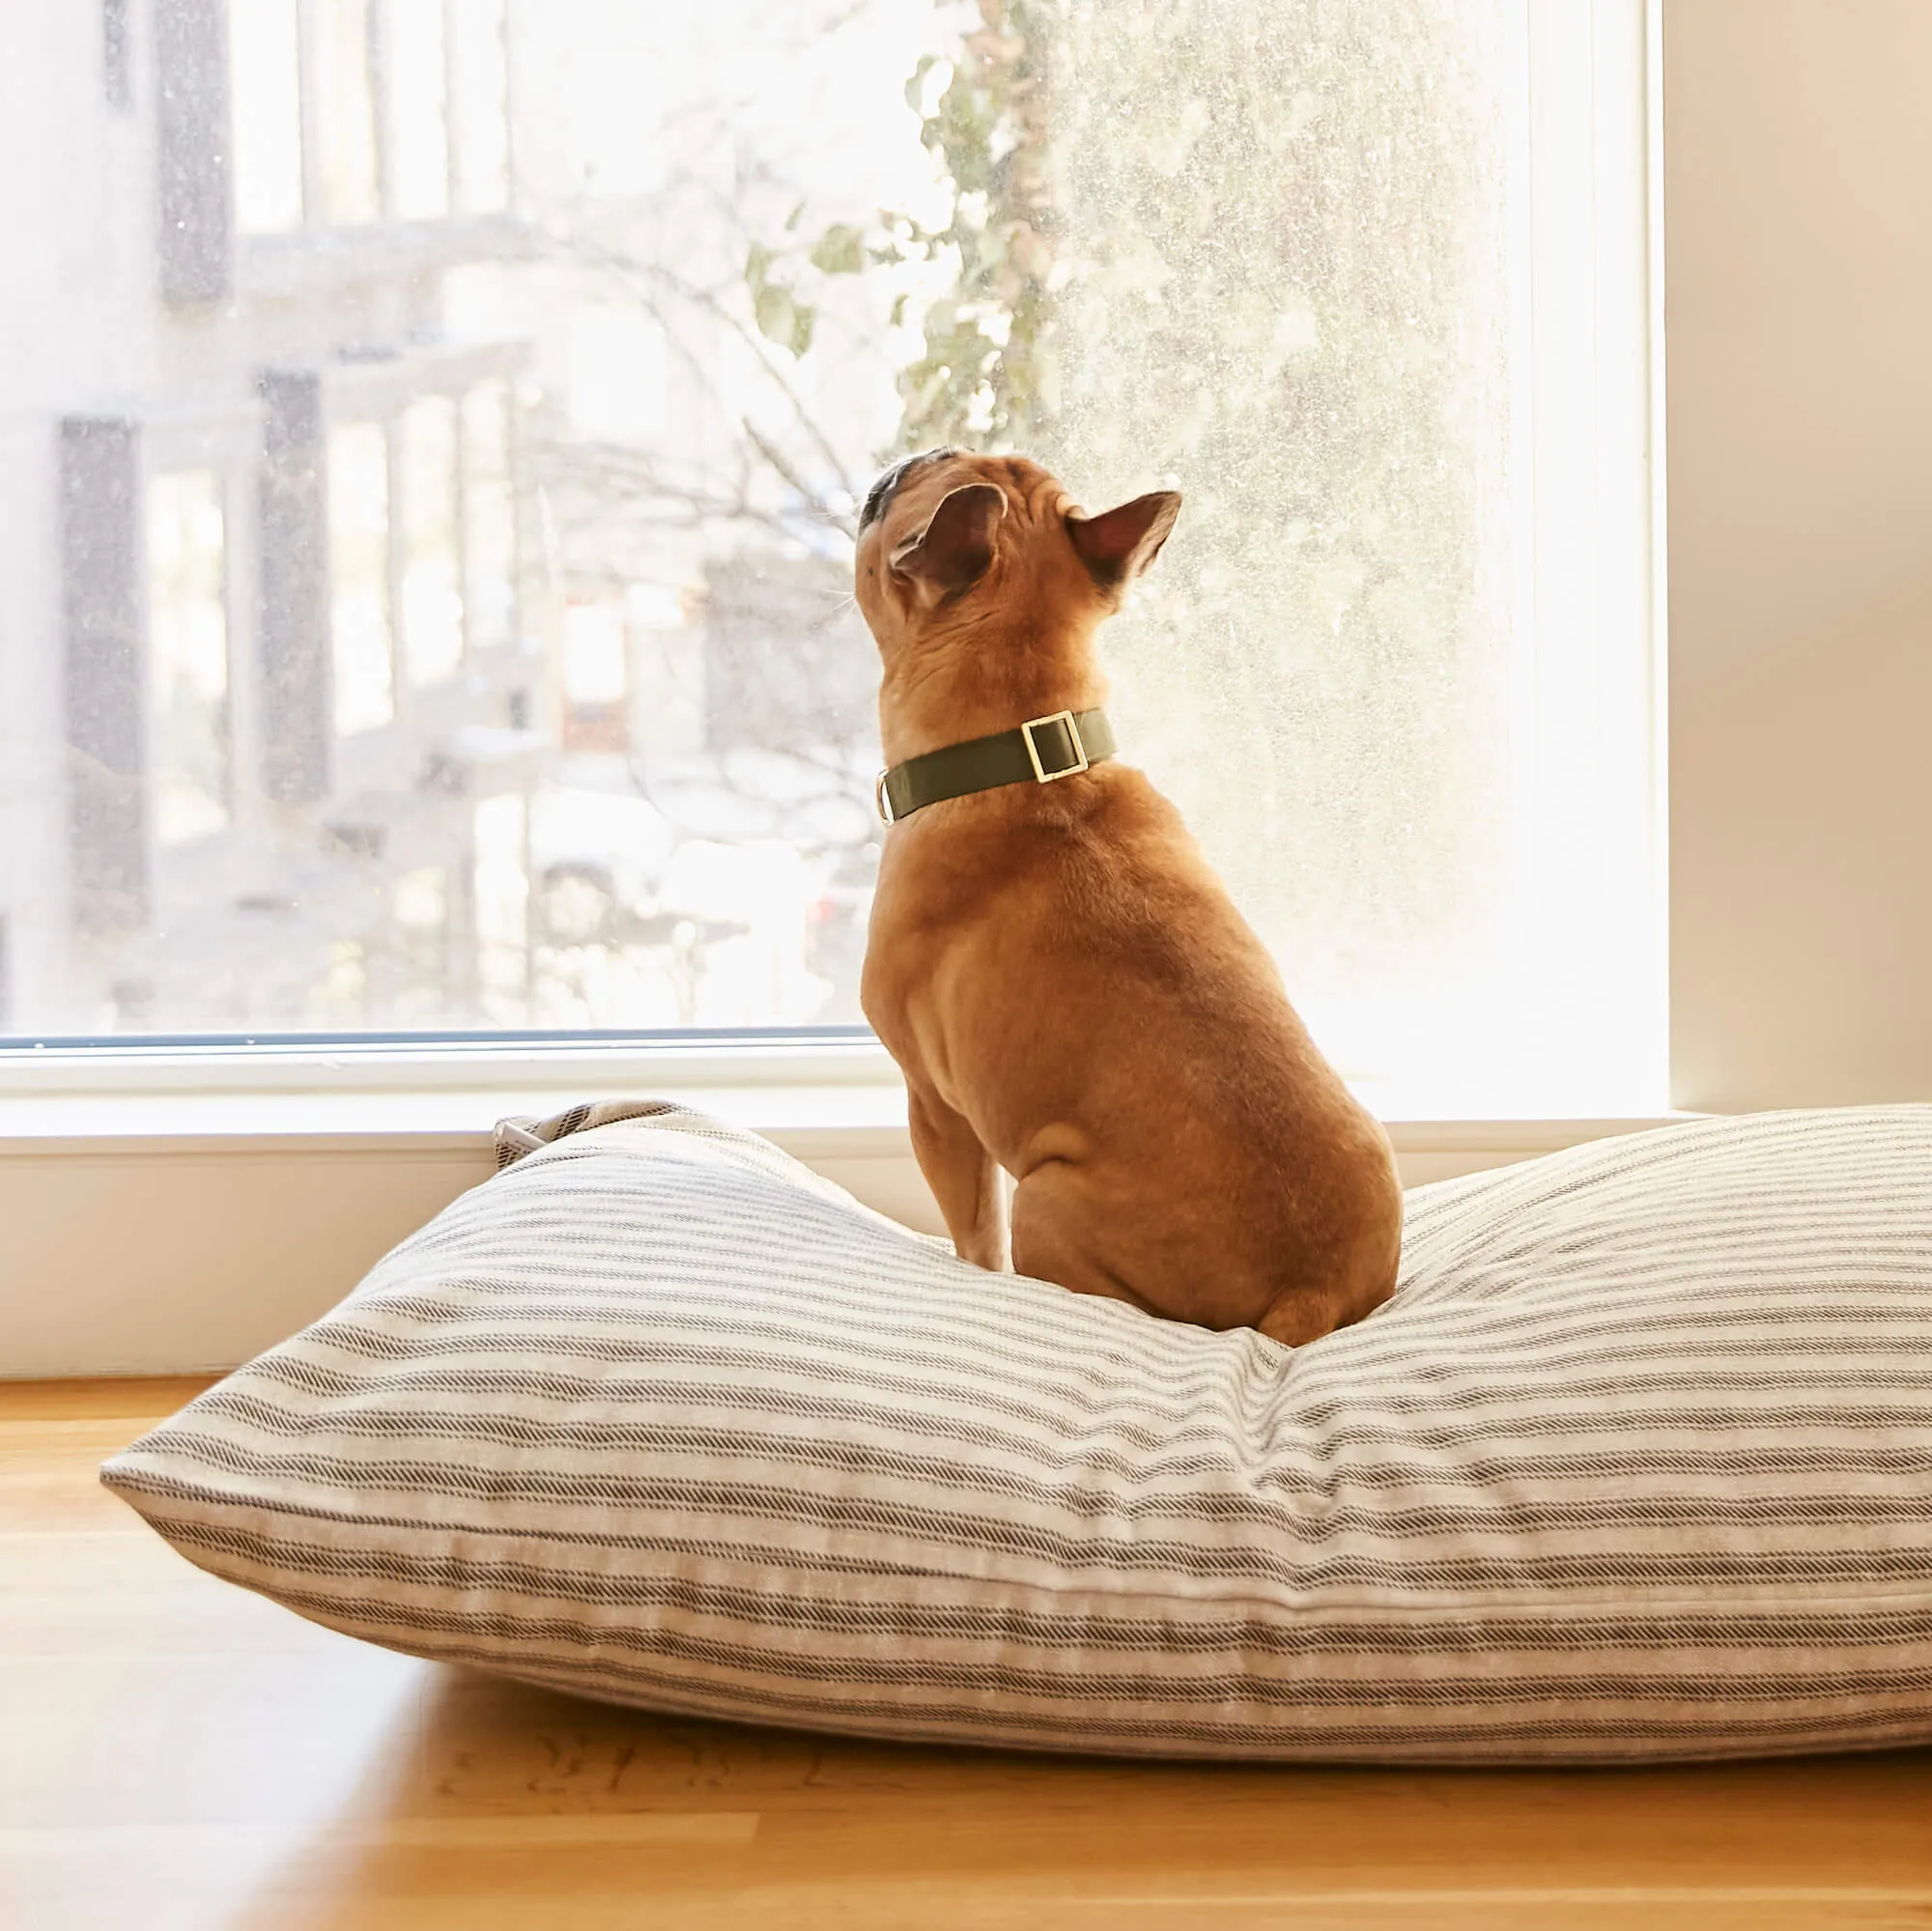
[1039,770]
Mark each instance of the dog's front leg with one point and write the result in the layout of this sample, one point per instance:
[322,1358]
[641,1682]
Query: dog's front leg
[964,1179]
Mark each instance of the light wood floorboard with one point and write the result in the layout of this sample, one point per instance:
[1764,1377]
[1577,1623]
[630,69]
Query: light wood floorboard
[177,1755]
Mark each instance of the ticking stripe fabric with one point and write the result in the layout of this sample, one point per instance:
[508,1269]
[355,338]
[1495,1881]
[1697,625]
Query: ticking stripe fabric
[1638,1463]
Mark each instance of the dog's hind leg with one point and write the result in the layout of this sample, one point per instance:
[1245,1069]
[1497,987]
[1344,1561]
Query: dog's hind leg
[1053,1224]
[964,1179]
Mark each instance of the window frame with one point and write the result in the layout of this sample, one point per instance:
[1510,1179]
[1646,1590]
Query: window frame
[1590,579]
[376,1062]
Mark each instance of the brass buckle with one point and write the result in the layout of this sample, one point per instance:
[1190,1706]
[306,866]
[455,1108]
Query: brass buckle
[1040,771]
[879,798]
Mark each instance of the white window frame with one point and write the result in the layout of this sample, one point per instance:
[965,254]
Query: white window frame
[1584,565]
[1591,582]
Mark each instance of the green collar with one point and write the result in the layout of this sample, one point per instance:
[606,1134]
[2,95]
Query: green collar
[1061,745]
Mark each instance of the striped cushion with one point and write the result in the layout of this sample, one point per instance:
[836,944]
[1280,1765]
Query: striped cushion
[1638,1463]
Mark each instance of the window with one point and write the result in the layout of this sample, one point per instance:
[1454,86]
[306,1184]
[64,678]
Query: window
[400,108]
[187,652]
[596,676]
[481,104]
[422,549]
[488,518]
[511,680]
[117,56]
[265,66]
[346,106]
[432,594]
[358,588]
[419,144]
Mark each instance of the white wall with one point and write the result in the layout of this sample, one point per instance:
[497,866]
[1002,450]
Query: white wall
[1798,211]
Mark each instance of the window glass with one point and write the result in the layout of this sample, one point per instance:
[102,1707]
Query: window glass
[187,628]
[593,654]
[1321,669]
[350,180]
[502,890]
[264,80]
[480,105]
[552,706]
[117,62]
[618,382]
[419,151]
[489,516]
[358,576]
[432,596]
[416,961]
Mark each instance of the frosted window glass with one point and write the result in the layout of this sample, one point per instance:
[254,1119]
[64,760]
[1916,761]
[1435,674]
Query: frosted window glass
[350,180]
[489,516]
[480,105]
[418,153]
[432,594]
[189,654]
[358,556]
[265,84]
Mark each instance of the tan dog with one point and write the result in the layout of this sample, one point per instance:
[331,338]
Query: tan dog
[1063,981]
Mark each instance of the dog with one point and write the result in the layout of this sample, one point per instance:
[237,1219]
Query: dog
[1063,981]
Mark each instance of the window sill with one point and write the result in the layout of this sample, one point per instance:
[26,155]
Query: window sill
[816,1098]
[805,1118]
[826,1095]
[843,1093]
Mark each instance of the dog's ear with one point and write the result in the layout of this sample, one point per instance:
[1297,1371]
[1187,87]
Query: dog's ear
[1118,545]
[955,547]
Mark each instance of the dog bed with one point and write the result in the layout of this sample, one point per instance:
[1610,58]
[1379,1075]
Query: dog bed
[1638,1463]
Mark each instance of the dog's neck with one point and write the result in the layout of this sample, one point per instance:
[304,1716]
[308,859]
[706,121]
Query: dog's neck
[970,684]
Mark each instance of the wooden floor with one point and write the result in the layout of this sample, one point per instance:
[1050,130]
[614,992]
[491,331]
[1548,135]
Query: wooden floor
[176,1753]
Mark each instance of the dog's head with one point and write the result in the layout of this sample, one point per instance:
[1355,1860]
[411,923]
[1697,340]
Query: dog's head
[948,541]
